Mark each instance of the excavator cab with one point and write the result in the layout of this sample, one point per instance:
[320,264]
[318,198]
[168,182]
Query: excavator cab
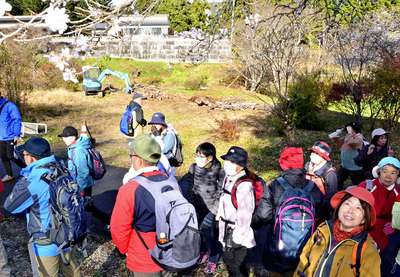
[91,84]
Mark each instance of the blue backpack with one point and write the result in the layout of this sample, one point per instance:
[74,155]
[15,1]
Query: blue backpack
[126,124]
[294,222]
[68,224]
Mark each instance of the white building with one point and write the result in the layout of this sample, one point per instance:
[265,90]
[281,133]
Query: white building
[7,22]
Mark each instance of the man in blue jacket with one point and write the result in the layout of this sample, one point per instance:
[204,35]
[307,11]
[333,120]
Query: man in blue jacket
[31,194]
[81,164]
[10,131]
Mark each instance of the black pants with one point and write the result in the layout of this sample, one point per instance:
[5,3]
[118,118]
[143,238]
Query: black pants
[235,261]
[91,208]
[356,177]
[7,155]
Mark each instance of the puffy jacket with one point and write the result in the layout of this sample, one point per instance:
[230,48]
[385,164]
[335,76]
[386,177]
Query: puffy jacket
[10,121]
[81,163]
[204,187]
[270,199]
[136,206]
[319,260]
[384,201]
[31,194]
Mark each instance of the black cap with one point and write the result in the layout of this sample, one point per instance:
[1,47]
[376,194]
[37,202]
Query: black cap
[68,131]
[138,95]
[236,155]
[356,127]
[36,146]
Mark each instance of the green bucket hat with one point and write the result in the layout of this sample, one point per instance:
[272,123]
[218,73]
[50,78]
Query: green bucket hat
[146,148]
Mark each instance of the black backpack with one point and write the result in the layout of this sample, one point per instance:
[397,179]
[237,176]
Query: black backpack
[176,158]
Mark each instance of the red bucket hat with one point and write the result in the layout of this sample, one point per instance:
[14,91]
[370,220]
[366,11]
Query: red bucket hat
[321,148]
[291,157]
[360,193]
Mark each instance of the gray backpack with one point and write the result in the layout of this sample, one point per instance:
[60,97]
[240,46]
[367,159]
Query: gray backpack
[176,218]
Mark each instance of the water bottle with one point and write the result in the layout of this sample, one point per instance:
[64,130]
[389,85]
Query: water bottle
[162,239]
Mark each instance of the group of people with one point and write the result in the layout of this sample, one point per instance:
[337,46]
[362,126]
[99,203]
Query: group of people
[312,226]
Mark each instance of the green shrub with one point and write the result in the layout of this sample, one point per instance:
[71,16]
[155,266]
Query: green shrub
[195,83]
[304,102]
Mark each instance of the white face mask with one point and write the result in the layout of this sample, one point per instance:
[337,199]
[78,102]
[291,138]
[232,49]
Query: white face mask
[230,168]
[315,158]
[201,162]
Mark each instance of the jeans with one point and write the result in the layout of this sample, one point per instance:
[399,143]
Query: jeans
[210,243]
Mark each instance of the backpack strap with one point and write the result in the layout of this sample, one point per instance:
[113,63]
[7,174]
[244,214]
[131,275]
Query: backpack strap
[242,179]
[369,184]
[358,251]
[284,183]
[309,186]
[2,106]
[140,237]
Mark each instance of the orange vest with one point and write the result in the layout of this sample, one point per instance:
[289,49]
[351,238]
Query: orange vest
[318,180]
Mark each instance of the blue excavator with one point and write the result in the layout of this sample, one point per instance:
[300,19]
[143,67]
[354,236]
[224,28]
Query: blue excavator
[92,80]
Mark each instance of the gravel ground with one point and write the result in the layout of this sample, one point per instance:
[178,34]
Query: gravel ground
[103,258]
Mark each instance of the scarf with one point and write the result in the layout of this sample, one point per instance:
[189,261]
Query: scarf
[342,235]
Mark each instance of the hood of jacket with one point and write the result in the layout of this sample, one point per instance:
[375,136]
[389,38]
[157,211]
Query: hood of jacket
[296,177]
[83,142]
[28,170]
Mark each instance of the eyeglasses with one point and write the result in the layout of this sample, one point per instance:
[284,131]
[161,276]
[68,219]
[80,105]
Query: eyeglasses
[133,155]
[23,154]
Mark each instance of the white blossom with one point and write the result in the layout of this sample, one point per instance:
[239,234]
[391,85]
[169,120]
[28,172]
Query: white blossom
[56,19]
[223,31]
[60,60]
[117,3]
[207,12]
[4,7]
[69,75]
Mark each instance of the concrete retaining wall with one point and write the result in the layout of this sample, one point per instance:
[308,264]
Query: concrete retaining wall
[165,49]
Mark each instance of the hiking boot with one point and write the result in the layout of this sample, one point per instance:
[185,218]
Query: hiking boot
[210,268]
[203,258]
[7,178]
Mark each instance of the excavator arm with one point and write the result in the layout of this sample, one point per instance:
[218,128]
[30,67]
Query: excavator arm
[118,74]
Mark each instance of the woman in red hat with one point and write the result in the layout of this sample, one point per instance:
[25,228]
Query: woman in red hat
[343,247]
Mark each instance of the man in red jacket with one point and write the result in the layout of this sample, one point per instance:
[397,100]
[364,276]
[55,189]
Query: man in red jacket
[135,207]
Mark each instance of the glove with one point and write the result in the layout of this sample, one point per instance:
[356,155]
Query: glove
[207,221]
[388,229]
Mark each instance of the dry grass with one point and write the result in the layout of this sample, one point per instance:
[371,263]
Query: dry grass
[62,108]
